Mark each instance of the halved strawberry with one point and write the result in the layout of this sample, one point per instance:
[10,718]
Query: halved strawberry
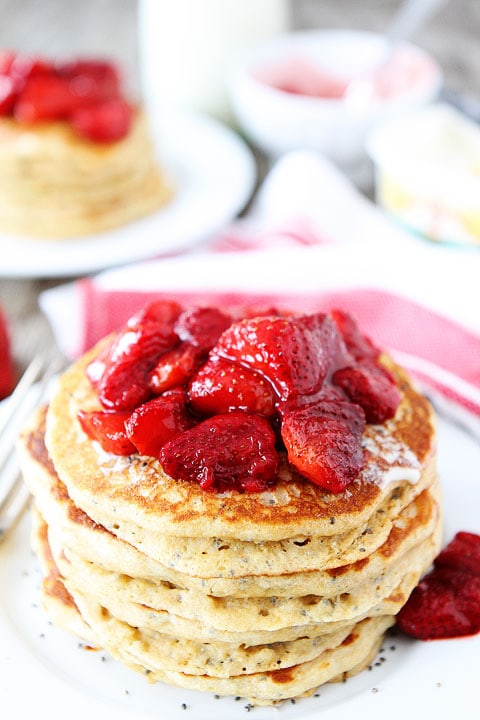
[92,80]
[44,97]
[107,427]
[25,66]
[372,387]
[6,61]
[103,122]
[323,442]
[445,604]
[8,95]
[202,326]
[229,451]
[293,353]
[174,368]
[220,386]
[124,383]
[162,311]
[359,345]
[155,422]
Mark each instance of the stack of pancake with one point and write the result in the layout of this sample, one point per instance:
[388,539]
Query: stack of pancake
[264,596]
[55,184]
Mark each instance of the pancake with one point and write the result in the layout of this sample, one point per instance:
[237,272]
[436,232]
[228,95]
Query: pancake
[277,669]
[71,186]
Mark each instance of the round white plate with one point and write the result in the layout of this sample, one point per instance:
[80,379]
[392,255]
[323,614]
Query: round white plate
[43,667]
[213,173]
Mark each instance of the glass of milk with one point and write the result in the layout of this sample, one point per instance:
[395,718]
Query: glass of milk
[186,46]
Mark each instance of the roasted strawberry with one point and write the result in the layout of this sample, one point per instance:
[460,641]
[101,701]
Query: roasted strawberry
[44,97]
[125,381]
[372,387]
[92,80]
[103,122]
[232,451]
[25,66]
[174,368]
[8,95]
[7,371]
[294,354]
[162,311]
[202,326]
[445,604]
[358,345]
[107,427]
[462,553]
[6,61]
[323,442]
[220,386]
[155,422]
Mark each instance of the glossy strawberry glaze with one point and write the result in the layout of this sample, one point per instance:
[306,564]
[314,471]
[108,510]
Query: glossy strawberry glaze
[84,93]
[217,400]
[446,603]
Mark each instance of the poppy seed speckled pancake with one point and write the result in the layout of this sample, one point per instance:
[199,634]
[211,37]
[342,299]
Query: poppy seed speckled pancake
[269,673]
[135,489]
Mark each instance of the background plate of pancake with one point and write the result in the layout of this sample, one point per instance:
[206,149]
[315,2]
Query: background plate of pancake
[43,666]
[211,173]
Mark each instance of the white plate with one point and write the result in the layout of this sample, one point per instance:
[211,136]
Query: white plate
[213,172]
[43,667]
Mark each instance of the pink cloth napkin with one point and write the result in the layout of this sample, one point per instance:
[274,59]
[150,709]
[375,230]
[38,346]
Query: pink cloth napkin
[312,243]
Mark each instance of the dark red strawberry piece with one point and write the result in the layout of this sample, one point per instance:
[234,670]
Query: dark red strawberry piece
[294,354]
[44,97]
[360,346]
[106,121]
[92,80]
[462,553]
[125,381]
[220,386]
[174,368]
[323,442]
[107,427]
[232,451]
[7,371]
[162,311]
[372,387]
[202,326]
[155,422]
[8,95]
[6,60]
[446,604]
[26,66]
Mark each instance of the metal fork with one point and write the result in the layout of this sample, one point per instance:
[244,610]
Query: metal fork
[31,390]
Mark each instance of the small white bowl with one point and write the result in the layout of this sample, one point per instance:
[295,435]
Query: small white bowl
[278,121]
[427,173]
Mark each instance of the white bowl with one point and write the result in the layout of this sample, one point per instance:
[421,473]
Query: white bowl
[427,173]
[278,121]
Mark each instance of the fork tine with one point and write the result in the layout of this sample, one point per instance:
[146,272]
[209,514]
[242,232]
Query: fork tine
[26,396]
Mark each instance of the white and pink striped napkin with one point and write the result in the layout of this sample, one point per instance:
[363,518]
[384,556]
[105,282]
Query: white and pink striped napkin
[311,243]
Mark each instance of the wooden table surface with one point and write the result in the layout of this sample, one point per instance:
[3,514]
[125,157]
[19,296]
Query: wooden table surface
[108,27]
